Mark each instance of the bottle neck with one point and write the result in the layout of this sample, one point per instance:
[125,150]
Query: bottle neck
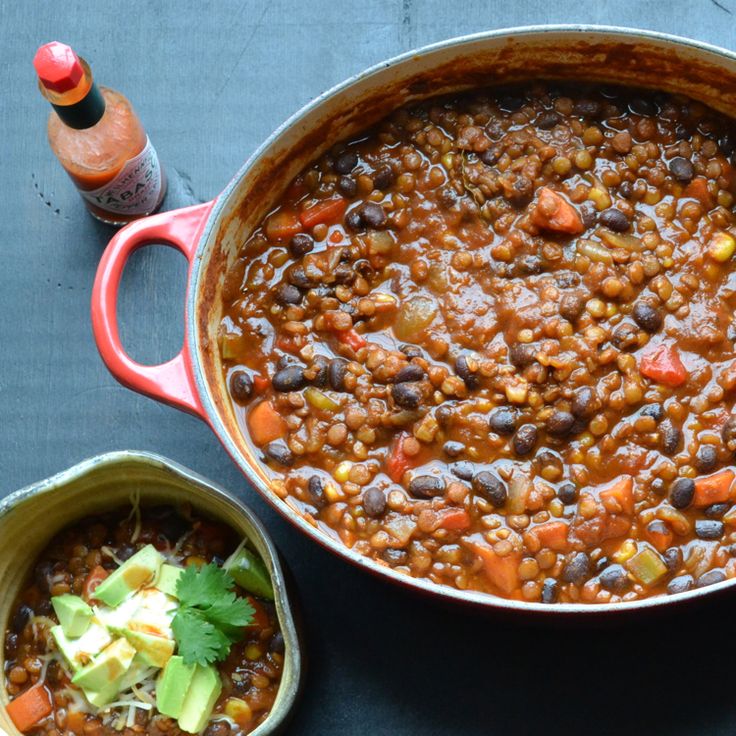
[83,113]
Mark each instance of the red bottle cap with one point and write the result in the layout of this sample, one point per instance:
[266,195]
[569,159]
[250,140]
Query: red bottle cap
[58,67]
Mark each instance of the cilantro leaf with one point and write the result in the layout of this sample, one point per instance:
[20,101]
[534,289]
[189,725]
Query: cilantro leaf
[203,586]
[199,641]
[210,617]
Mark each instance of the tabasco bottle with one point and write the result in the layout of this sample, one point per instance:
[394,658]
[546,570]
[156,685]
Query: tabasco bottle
[98,139]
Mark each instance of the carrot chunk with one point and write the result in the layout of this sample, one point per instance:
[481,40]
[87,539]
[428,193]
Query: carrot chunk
[327,210]
[282,225]
[30,707]
[553,212]
[698,189]
[502,571]
[398,461]
[714,488]
[265,423]
[619,497]
[454,520]
[663,365]
[552,535]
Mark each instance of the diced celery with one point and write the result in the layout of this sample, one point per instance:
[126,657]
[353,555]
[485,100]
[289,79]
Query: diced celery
[320,400]
[647,567]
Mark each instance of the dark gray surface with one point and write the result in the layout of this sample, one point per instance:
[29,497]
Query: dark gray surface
[211,80]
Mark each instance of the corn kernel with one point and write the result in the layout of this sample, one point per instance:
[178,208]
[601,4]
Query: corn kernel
[342,471]
[334,493]
[721,247]
[625,552]
[239,711]
[253,652]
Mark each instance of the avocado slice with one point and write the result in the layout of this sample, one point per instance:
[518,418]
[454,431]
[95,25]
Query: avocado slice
[73,613]
[98,699]
[155,651]
[140,569]
[168,578]
[251,574]
[78,652]
[203,693]
[173,686]
[107,669]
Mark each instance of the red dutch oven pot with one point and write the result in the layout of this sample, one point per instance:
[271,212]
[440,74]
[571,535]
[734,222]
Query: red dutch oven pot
[210,234]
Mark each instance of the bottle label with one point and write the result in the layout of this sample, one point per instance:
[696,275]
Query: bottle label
[136,190]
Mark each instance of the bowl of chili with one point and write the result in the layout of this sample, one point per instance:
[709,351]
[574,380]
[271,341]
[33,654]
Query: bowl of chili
[470,330]
[63,541]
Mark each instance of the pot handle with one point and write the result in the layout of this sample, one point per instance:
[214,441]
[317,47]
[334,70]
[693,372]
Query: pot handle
[171,382]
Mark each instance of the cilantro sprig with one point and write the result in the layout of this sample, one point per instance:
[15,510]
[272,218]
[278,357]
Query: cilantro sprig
[210,618]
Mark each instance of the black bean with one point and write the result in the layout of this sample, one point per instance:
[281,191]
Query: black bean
[522,354]
[550,590]
[584,402]
[658,486]
[614,220]
[453,449]
[383,177]
[321,366]
[316,490]
[615,579]
[681,492]
[706,458]
[568,493]
[426,486]
[655,411]
[708,529]
[671,437]
[587,108]
[411,372]
[21,617]
[502,421]
[710,578]
[241,385]
[353,220]
[407,395]
[289,379]
[374,502]
[285,361]
[243,683]
[347,186]
[571,306]
[345,162]
[647,317]
[466,369]
[11,644]
[680,584]
[338,370]
[673,558]
[411,351]
[642,106]
[300,245]
[42,574]
[510,103]
[287,294]
[279,452]
[530,265]
[344,273]
[559,423]
[682,169]
[567,279]
[217,728]
[577,570]
[491,487]
[298,276]
[728,433]
[588,214]
[372,215]
[716,510]
[443,415]
[277,643]
[547,119]
[525,439]
[626,337]
[463,470]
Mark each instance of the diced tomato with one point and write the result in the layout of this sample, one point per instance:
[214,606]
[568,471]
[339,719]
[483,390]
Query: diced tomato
[328,210]
[552,535]
[352,339]
[260,383]
[698,189]
[96,576]
[454,519]
[619,497]
[282,225]
[503,572]
[30,707]
[398,462]
[663,365]
[266,424]
[714,488]
[553,212]
[336,236]
[260,617]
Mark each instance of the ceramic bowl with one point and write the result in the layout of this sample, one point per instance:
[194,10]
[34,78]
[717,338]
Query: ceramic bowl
[29,518]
